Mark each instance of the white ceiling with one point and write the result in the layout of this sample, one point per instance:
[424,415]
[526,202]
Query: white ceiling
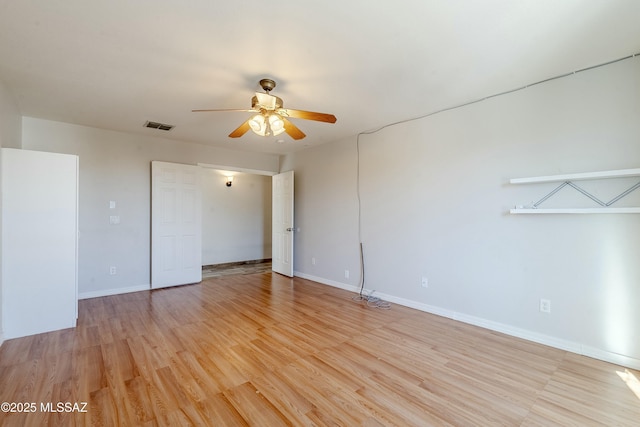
[115,64]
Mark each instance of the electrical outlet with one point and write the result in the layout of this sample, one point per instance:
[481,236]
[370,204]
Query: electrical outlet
[112,270]
[425,282]
[346,274]
[545,305]
[313,261]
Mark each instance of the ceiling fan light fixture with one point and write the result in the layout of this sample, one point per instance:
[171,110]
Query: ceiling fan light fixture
[266,125]
[276,124]
[258,124]
[272,118]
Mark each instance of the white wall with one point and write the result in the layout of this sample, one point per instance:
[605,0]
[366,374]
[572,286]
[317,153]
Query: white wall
[10,120]
[115,166]
[326,212]
[435,200]
[10,137]
[236,220]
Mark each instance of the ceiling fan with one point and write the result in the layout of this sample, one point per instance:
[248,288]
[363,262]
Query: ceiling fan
[271,117]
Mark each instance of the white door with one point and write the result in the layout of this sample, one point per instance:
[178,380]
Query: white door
[39,241]
[282,224]
[176,225]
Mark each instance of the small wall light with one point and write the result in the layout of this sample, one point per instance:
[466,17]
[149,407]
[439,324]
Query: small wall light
[229,181]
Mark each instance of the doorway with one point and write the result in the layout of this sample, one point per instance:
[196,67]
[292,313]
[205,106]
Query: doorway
[266,189]
[236,219]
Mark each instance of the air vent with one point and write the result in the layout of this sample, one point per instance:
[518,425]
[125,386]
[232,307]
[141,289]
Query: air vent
[160,126]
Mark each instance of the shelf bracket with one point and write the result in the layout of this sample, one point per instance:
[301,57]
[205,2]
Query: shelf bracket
[587,194]
[560,187]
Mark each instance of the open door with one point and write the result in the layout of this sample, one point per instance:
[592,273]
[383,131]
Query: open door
[282,224]
[176,225]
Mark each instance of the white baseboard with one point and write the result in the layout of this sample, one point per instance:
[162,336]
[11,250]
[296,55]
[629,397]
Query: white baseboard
[570,346]
[326,282]
[1,338]
[607,356]
[115,291]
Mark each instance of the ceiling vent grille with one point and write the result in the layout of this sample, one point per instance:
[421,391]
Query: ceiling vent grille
[159,126]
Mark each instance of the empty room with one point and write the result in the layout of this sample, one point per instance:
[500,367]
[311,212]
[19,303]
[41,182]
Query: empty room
[424,213]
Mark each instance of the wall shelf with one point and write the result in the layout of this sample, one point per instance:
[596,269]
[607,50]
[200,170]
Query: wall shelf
[622,173]
[566,180]
[575,211]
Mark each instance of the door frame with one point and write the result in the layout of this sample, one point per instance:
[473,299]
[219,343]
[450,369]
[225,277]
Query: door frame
[254,172]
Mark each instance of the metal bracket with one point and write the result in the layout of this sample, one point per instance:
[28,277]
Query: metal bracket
[586,193]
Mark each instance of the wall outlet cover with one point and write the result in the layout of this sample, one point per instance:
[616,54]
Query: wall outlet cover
[545,305]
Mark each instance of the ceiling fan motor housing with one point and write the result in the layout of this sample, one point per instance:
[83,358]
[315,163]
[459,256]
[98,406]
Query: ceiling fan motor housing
[274,103]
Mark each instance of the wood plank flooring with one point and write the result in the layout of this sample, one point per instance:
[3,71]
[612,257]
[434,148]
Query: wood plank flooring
[236,268]
[266,350]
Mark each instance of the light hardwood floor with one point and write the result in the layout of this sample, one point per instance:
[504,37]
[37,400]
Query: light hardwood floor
[266,350]
[236,268]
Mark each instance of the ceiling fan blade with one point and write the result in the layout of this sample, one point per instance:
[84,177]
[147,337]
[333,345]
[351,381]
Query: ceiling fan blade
[292,130]
[231,109]
[307,115]
[241,130]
